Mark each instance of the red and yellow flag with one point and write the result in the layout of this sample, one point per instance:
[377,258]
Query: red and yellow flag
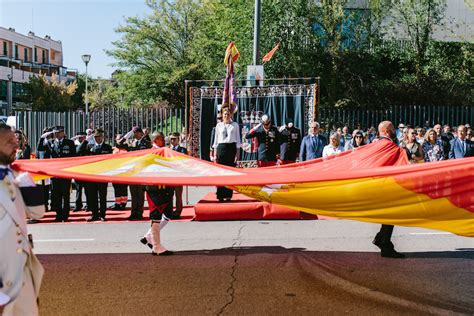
[270,54]
[231,52]
[373,183]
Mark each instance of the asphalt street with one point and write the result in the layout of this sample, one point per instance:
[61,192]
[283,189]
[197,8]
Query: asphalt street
[252,267]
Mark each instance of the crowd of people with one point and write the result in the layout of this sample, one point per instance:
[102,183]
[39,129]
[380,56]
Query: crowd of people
[53,143]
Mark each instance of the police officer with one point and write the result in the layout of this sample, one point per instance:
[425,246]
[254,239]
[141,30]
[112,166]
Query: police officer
[60,188]
[290,142]
[97,191]
[43,151]
[138,191]
[82,149]
[267,136]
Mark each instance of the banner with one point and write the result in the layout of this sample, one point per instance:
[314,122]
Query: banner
[371,183]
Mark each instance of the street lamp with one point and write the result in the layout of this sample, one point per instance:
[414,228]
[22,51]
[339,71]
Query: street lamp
[86,59]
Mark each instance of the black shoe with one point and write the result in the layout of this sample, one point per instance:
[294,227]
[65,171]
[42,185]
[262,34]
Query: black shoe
[93,219]
[391,253]
[146,243]
[176,215]
[378,242]
[164,253]
[123,206]
[77,210]
[32,221]
[58,219]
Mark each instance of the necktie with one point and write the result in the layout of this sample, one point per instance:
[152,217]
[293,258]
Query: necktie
[4,172]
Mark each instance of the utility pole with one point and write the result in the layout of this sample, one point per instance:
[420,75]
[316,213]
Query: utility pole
[256,32]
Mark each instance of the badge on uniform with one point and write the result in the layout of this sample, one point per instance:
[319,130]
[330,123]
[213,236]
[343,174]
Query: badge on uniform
[271,134]
[294,136]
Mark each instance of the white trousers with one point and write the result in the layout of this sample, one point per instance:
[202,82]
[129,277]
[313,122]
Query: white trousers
[25,304]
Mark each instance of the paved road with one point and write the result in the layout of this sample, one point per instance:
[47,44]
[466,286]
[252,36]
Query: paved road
[252,267]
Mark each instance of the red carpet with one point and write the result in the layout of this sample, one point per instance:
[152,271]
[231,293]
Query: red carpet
[114,216]
[242,207]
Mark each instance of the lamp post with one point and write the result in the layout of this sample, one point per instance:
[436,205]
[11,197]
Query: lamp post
[86,59]
[10,93]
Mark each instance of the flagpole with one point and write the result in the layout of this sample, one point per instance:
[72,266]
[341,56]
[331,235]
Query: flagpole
[256,32]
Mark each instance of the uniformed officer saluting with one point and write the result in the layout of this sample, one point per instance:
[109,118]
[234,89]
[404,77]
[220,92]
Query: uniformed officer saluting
[290,142]
[96,191]
[60,188]
[268,147]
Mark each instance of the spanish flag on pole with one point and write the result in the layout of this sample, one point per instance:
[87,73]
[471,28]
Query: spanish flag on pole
[269,55]
[231,52]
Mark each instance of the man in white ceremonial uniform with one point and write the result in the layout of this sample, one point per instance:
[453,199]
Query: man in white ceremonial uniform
[20,271]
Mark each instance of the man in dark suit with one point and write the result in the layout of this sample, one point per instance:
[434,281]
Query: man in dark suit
[82,149]
[268,147]
[461,147]
[97,191]
[60,188]
[313,144]
[178,190]
[137,191]
[290,142]
[384,236]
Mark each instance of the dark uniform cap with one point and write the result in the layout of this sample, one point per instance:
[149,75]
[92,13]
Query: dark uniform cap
[58,129]
[81,134]
[288,121]
[98,132]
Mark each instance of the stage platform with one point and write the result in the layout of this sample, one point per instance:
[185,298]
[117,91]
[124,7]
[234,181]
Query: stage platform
[242,207]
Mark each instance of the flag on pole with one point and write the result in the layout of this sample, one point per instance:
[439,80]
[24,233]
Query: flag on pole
[269,55]
[229,98]
[231,51]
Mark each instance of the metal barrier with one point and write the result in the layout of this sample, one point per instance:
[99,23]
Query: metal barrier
[112,120]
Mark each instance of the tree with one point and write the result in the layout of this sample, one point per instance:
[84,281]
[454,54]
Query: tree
[49,94]
[155,51]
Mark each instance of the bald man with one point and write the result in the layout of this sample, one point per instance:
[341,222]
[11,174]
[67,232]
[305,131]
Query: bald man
[383,237]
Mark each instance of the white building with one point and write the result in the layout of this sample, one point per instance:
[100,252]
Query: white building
[22,56]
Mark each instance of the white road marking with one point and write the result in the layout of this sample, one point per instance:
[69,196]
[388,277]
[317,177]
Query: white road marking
[61,240]
[430,233]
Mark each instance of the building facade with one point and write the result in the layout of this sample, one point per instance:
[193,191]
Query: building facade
[23,56]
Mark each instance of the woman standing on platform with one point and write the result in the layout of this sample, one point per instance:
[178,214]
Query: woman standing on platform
[226,145]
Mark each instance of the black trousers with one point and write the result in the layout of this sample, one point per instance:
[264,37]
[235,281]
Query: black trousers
[60,197]
[46,190]
[97,198]
[138,199]
[120,190]
[80,185]
[225,155]
[384,236]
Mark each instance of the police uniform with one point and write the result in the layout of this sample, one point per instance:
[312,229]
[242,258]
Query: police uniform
[43,151]
[290,142]
[81,150]
[97,191]
[268,147]
[21,272]
[137,192]
[60,188]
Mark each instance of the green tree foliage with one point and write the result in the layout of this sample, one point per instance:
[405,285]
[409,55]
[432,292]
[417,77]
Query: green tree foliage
[352,49]
[49,94]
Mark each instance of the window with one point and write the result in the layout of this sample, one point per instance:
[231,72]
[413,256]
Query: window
[16,51]
[5,49]
[36,55]
[25,56]
[43,57]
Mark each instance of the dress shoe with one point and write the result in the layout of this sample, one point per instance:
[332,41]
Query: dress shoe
[32,221]
[146,243]
[176,215]
[57,220]
[76,210]
[164,253]
[93,219]
[391,253]
[123,205]
[116,207]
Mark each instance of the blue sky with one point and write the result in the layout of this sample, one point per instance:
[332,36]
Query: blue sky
[83,26]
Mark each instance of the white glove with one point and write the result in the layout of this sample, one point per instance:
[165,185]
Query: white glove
[255,128]
[128,135]
[282,128]
[24,179]
[46,134]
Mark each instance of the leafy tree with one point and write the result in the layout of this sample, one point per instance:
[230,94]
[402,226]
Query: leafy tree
[49,94]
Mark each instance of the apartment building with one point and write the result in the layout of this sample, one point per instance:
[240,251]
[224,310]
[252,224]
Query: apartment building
[23,56]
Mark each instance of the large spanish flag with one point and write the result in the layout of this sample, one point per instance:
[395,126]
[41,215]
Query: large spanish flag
[371,183]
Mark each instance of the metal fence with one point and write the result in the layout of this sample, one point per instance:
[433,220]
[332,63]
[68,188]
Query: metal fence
[112,120]
[411,115]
